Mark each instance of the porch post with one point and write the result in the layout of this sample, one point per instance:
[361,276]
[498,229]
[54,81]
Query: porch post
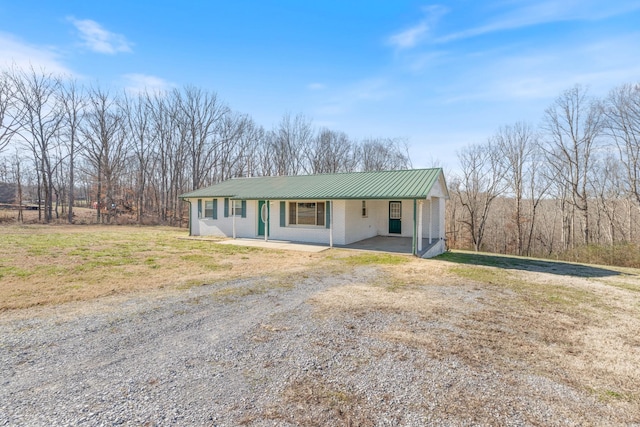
[233,218]
[414,251]
[431,220]
[331,221]
[420,203]
[266,222]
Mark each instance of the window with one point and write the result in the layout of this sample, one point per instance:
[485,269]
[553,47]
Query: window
[208,208]
[306,213]
[236,208]
[364,209]
[395,210]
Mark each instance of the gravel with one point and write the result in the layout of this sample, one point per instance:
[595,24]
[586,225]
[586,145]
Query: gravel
[252,352]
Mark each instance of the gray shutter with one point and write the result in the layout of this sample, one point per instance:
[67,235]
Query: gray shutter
[199,208]
[327,208]
[283,214]
[244,209]
[226,207]
[215,208]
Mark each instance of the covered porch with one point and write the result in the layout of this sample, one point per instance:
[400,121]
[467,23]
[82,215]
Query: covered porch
[386,244]
[393,244]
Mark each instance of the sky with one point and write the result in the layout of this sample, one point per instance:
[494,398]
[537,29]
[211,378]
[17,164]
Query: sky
[441,75]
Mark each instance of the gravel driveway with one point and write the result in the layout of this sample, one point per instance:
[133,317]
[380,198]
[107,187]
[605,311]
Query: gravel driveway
[251,352]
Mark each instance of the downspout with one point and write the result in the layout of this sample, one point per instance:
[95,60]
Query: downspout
[190,221]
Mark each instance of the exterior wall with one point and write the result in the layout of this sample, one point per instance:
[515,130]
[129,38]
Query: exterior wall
[438,189]
[355,226]
[245,227]
[347,222]
[382,220]
[300,233]
[248,227]
[433,210]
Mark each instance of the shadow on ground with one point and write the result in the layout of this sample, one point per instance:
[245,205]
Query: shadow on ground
[540,266]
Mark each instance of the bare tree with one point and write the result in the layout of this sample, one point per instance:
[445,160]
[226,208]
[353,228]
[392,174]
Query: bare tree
[289,143]
[10,112]
[573,124]
[73,103]
[199,115]
[137,112]
[17,176]
[171,157]
[517,145]
[331,152]
[104,146]
[379,154]
[250,139]
[482,181]
[42,115]
[229,152]
[623,125]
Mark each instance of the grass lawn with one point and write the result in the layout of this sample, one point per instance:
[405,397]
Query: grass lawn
[42,264]
[577,325]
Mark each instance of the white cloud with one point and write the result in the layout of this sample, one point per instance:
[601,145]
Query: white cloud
[417,33]
[139,83]
[409,37]
[533,13]
[15,52]
[98,39]
[316,86]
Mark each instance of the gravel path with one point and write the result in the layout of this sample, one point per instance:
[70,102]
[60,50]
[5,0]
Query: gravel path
[251,352]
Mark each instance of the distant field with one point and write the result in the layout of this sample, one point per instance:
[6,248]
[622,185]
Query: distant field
[577,325]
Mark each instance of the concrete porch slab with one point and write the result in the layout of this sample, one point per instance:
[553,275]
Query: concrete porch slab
[391,244]
[275,244]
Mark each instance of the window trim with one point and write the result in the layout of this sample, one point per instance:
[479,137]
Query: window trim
[211,214]
[365,209]
[236,210]
[319,214]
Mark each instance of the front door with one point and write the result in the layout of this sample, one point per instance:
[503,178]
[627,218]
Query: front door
[395,217]
[261,217]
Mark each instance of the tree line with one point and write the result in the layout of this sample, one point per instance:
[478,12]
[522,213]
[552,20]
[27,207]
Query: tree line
[572,182]
[567,183]
[139,152]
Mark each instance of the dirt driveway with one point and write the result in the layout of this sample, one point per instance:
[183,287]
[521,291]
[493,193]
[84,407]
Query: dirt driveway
[438,343]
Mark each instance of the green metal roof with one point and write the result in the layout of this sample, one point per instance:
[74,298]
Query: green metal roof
[403,184]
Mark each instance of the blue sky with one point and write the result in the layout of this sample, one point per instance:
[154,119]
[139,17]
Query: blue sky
[443,75]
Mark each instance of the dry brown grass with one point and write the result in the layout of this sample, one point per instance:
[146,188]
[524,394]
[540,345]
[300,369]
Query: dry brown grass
[579,331]
[52,264]
[577,326]
[312,401]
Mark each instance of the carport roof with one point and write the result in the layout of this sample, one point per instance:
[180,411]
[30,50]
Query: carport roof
[402,184]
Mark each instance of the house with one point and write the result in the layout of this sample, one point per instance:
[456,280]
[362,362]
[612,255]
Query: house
[332,209]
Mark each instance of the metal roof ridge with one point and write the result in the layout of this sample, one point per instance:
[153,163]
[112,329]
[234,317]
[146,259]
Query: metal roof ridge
[333,173]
